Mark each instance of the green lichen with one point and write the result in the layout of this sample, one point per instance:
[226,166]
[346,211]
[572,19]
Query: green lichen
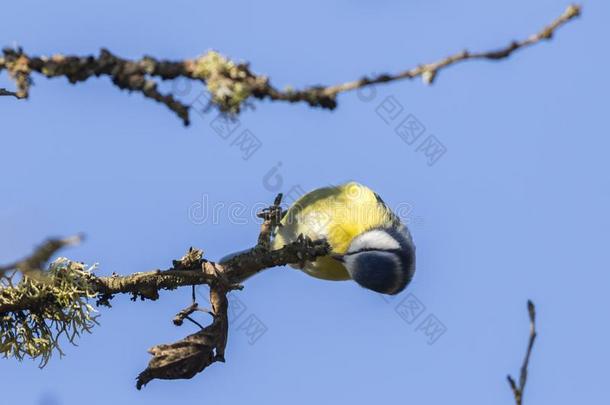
[63,293]
[19,71]
[227,82]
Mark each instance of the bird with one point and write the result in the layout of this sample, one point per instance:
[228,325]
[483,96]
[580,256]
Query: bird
[369,243]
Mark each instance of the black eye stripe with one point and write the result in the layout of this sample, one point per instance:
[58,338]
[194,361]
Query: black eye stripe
[395,251]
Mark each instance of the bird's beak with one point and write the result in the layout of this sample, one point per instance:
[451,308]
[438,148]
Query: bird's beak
[338,257]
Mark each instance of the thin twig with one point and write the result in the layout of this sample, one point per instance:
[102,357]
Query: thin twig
[271,219]
[5,92]
[230,84]
[429,71]
[41,255]
[519,389]
[194,321]
[182,315]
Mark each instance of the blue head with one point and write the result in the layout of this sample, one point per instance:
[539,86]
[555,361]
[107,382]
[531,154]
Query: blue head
[381,259]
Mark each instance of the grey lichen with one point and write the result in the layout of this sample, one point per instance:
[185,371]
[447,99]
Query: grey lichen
[35,333]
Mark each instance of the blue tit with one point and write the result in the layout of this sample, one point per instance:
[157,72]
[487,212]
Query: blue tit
[369,243]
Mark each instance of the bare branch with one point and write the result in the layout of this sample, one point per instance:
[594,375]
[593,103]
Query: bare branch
[230,84]
[518,389]
[186,313]
[37,260]
[429,71]
[5,92]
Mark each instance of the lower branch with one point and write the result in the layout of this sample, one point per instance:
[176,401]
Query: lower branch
[191,355]
[36,311]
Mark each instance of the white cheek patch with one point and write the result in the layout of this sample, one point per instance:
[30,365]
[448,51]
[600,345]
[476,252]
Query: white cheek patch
[376,239]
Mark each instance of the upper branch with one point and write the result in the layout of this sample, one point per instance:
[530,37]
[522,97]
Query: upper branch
[429,71]
[230,84]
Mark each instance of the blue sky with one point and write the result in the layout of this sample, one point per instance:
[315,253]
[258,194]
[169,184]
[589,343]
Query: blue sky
[516,208]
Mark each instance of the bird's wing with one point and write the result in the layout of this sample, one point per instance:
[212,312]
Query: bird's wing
[337,214]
